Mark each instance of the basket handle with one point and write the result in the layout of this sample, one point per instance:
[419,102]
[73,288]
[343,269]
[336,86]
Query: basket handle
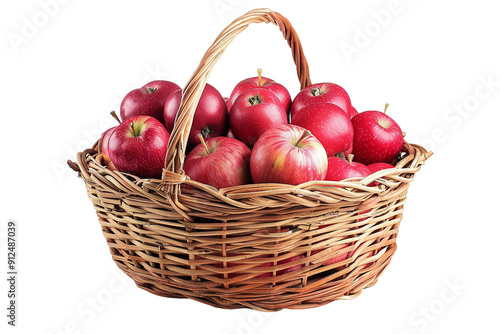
[174,159]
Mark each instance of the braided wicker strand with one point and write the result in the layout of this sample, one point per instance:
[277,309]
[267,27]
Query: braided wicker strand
[235,247]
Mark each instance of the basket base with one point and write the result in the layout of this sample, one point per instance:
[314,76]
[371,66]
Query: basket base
[266,298]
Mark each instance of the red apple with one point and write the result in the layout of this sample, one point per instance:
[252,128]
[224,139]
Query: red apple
[261,82]
[288,154]
[322,93]
[254,112]
[220,162]
[377,138]
[292,268]
[105,147]
[210,118]
[148,100]
[329,124]
[138,146]
[340,169]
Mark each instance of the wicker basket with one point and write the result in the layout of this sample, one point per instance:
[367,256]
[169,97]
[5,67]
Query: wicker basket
[228,247]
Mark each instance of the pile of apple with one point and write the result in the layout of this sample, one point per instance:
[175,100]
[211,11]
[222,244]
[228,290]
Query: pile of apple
[257,135]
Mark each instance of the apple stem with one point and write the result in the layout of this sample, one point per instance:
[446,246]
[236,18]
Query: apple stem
[133,130]
[115,116]
[349,158]
[386,106]
[151,90]
[259,72]
[200,137]
[306,133]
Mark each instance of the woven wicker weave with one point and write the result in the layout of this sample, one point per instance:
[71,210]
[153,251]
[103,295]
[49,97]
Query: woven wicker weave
[226,247]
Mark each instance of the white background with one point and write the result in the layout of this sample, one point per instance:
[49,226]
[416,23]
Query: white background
[65,66]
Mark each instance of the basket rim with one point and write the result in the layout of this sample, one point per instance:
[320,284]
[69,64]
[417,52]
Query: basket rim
[200,198]
[416,160]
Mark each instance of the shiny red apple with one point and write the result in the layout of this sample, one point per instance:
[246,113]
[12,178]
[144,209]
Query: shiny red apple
[220,162]
[288,154]
[138,146]
[254,112]
[322,93]
[329,124]
[261,82]
[149,100]
[210,118]
[377,138]
[340,169]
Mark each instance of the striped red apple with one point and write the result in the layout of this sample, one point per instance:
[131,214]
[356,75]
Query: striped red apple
[288,154]
[220,162]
